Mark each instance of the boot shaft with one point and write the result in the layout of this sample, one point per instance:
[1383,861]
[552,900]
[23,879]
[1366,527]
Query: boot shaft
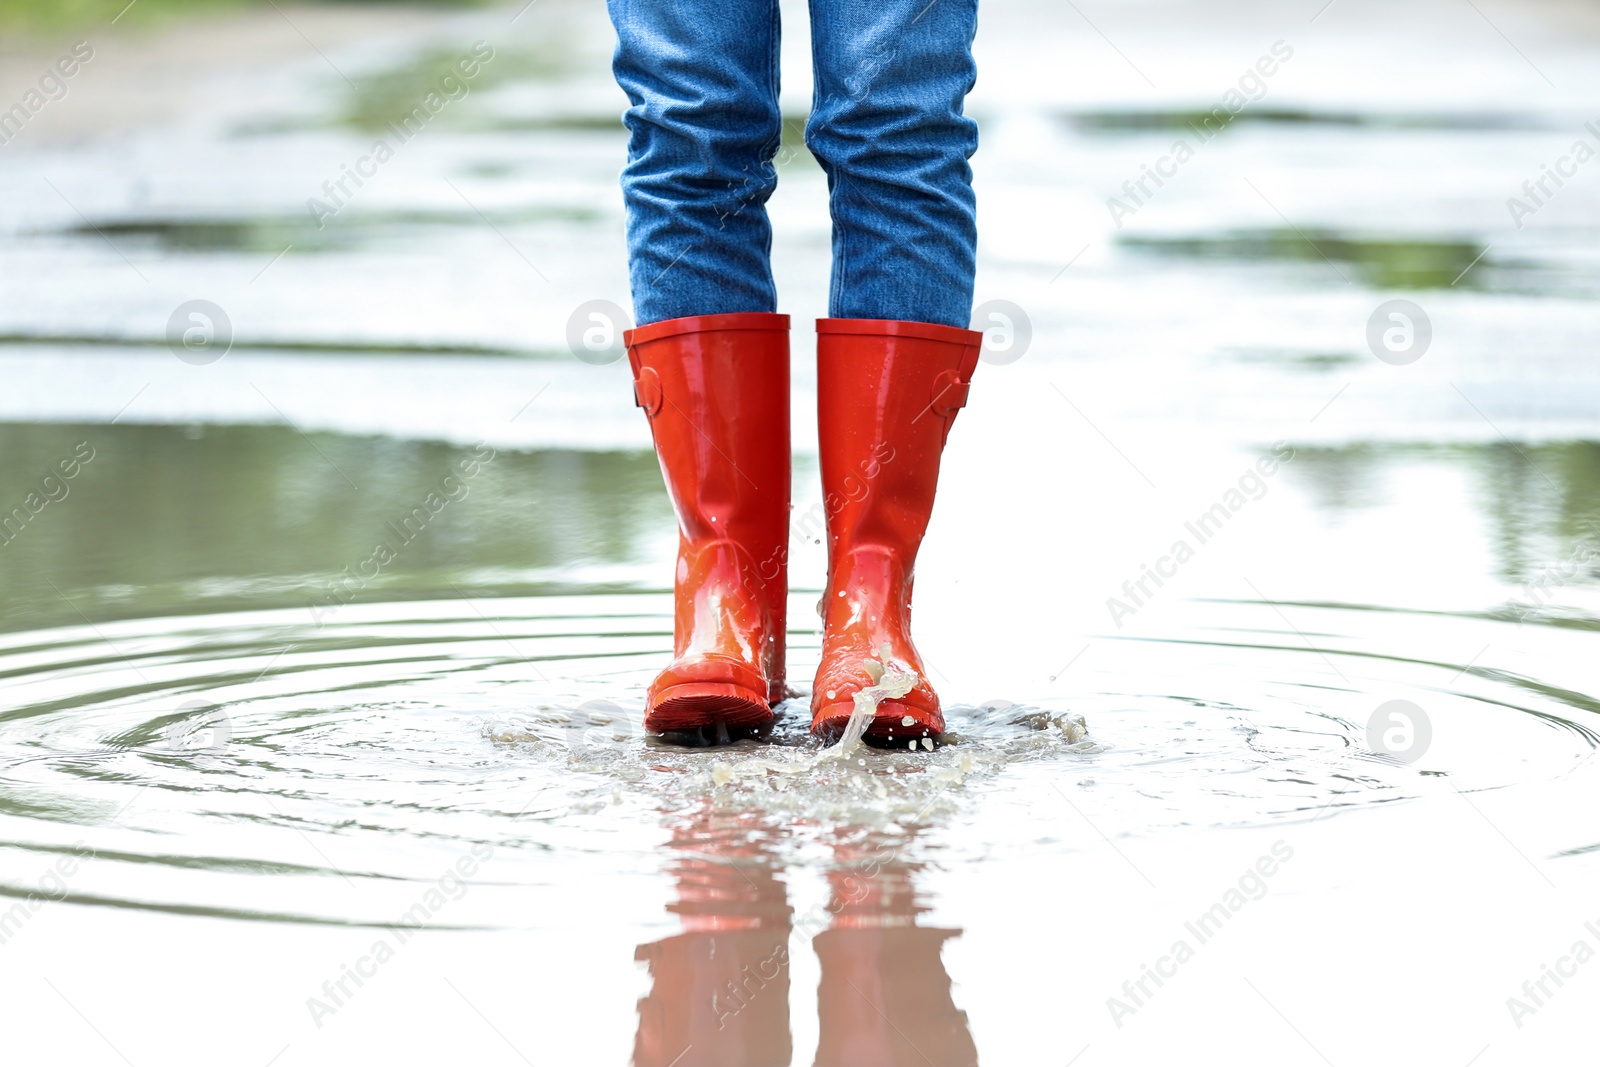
[716,391]
[887,395]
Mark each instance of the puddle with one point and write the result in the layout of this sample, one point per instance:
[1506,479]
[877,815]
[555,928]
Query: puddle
[1181,121]
[266,745]
[395,733]
[357,230]
[385,98]
[1381,262]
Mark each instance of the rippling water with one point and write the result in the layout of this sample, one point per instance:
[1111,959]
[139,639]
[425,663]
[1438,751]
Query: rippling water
[264,802]
[203,757]
[513,699]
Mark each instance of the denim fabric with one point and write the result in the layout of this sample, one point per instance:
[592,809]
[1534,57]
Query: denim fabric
[886,124]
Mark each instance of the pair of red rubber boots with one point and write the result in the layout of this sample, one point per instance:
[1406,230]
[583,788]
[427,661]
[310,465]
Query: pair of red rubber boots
[716,390]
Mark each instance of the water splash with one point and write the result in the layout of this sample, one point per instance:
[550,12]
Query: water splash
[887,684]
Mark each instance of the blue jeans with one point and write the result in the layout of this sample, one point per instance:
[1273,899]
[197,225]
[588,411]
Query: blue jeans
[886,124]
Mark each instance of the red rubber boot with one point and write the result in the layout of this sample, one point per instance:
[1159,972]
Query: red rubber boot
[716,390]
[887,394]
[719,991]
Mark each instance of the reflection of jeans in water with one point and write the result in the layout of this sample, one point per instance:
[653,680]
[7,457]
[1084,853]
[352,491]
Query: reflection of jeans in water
[886,124]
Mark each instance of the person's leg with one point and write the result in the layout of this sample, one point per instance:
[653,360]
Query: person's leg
[716,391]
[704,125]
[711,360]
[895,360]
[888,128]
[888,393]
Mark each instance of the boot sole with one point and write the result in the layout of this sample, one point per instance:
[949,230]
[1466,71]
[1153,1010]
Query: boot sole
[693,705]
[886,727]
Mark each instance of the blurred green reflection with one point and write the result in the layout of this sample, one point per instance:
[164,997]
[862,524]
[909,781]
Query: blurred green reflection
[173,519]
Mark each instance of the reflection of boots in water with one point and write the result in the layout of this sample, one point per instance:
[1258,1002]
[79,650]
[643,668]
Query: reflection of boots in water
[719,994]
[884,999]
